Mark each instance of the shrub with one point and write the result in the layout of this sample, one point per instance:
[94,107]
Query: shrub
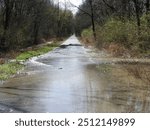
[87,35]
[118,32]
[122,35]
[125,33]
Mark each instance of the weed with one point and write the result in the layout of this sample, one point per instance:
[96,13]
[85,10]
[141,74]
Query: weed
[26,55]
[6,70]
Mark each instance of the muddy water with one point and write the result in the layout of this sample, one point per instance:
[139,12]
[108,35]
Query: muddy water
[76,79]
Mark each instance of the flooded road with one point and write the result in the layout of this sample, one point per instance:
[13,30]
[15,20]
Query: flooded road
[76,79]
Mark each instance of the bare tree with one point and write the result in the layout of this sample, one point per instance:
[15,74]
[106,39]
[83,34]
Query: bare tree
[147,4]
[25,22]
[137,11]
[91,15]
[92,19]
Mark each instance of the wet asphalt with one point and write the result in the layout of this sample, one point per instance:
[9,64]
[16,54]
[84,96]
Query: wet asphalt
[67,80]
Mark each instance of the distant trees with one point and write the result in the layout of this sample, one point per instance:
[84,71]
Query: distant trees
[82,18]
[26,22]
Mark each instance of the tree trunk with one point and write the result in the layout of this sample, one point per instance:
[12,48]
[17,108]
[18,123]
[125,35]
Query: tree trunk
[35,33]
[137,11]
[8,5]
[92,19]
[147,6]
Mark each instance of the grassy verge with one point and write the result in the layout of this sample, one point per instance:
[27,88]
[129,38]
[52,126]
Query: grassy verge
[36,52]
[9,69]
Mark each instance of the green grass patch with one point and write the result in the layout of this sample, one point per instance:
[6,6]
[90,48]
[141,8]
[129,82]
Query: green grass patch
[9,69]
[39,51]
[6,70]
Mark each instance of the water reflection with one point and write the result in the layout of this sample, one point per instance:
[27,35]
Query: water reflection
[127,90]
[73,81]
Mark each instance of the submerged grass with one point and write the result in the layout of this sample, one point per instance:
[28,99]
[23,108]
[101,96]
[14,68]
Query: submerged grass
[104,68]
[9,69]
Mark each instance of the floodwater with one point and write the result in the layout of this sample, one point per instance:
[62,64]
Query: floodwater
[73,78]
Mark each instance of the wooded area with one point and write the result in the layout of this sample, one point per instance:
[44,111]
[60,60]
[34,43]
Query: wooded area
[45,68]
[125,22]
[28,22]
[25,23]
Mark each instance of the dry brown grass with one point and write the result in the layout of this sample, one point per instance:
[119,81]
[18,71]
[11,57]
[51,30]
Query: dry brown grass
[140,72]
[117,50]
[88,41]
[4,57]
[2,61]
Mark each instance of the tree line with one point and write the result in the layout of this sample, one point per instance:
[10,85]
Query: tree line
[26,22]
[123,20]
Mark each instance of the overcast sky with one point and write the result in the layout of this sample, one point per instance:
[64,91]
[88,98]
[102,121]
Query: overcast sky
[75,2]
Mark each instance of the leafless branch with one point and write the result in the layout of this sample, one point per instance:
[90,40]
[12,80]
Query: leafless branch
[111,7]
[80,9]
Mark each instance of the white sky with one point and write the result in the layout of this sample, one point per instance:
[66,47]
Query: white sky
[75,2]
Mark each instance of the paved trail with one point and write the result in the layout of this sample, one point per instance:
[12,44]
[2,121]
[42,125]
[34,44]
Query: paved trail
[66,80]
